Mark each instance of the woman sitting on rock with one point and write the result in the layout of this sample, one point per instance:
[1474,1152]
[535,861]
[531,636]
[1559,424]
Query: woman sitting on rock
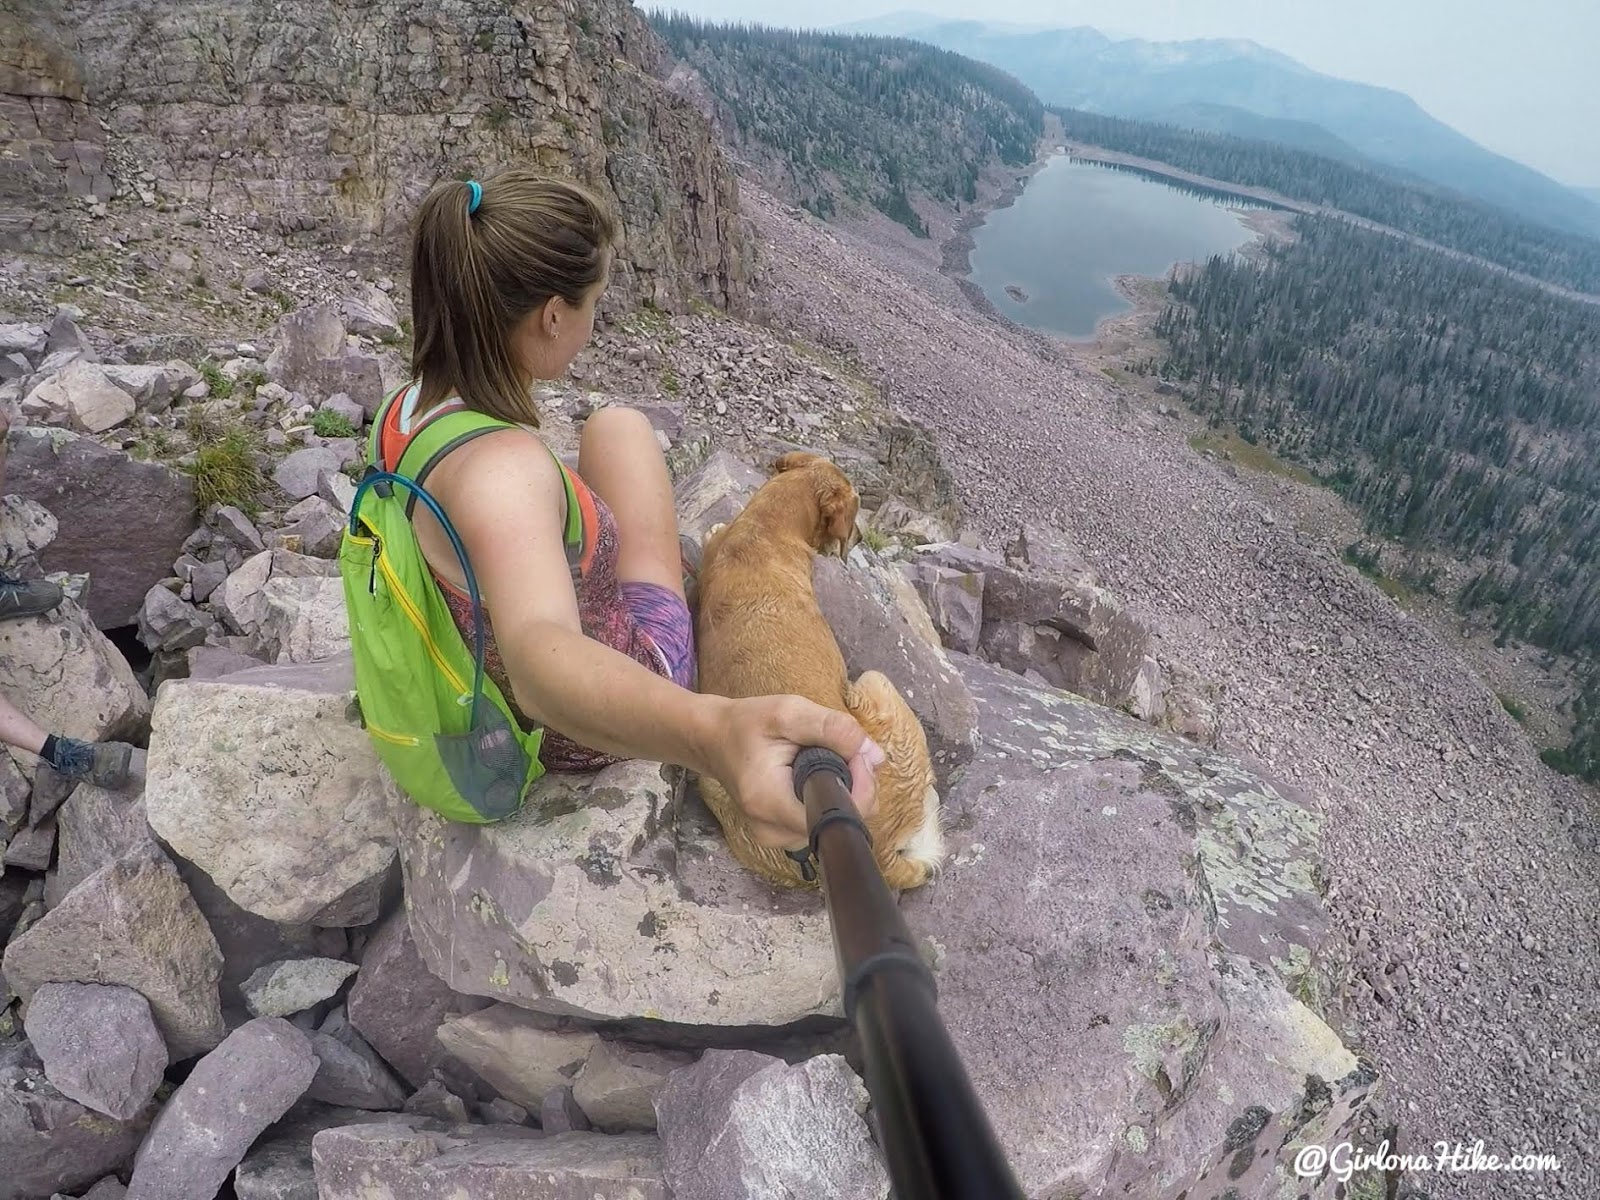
[505,279]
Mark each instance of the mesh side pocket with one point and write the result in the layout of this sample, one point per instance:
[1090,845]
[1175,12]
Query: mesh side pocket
[487,764]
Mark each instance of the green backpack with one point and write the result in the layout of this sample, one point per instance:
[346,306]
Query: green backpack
[438,723]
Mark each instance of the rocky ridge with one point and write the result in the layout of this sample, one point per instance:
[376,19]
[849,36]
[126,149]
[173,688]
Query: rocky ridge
[324,124]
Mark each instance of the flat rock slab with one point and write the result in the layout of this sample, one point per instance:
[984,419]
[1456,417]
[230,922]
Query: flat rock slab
[99,1045]
[739,1124]
[49,1143]
[91,491]
[494,1162]
[279,1167]
[305,820]
[282,989]
[134,923]
[518,1053]
[1118,932]
[230,1097]
[597,901]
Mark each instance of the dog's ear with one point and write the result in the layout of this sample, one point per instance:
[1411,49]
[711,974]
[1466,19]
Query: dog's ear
[793,461]
[837,507]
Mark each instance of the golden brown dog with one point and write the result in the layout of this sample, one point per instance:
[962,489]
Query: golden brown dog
[759,632]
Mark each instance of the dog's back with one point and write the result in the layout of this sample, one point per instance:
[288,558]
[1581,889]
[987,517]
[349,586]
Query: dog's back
[760,632]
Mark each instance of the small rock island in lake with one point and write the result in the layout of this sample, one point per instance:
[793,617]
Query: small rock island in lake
[1016,293]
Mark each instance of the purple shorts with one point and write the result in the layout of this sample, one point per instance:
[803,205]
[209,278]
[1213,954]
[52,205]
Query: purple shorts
[665,620]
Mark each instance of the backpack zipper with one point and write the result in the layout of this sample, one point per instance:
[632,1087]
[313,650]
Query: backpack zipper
[417,620]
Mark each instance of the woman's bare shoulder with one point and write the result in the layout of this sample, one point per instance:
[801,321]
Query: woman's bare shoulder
[502,458]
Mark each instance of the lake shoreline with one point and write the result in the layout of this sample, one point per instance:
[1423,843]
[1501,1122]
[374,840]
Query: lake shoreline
[955,253]
[1265,224]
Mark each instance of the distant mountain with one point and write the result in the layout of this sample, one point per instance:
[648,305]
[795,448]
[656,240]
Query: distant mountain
[1230,86]
[1237,122]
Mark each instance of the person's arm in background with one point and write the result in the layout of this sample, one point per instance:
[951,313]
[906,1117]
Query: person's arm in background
[504,495]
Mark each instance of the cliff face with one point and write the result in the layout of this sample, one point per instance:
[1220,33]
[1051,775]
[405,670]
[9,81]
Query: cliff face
[336,116]
[51,149]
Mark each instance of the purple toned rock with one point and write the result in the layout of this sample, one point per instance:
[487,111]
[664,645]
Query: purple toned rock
[230,1097]
[49,1143]
[740,1124]
[559,1112]
[134,923]
[397,1004]
[99,1045]
[618,1084]
[350,1073]
[80,481]
[863,606]
[1158,901]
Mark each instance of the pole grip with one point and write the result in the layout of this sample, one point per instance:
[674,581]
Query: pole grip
[812,759]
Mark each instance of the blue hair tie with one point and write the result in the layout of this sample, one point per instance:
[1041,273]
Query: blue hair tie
[477,196]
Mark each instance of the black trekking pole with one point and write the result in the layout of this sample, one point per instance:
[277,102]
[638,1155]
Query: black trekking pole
[937,1140]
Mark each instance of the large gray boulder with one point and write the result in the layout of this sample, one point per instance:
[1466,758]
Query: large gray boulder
[131,923]
[605,898]
[314,357]
[81,396]
[306,821]
[739,1124]
[1121,936]
[99,1045]
[493,1162]
[67,676]
[49,1143]
[230,1097]
[95,493]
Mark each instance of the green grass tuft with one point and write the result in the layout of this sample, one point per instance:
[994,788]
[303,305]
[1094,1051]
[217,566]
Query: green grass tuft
[221,386]
[329,424]
[225,472]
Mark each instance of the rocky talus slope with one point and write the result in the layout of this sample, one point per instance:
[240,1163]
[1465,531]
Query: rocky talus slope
[217,981]
[1463,873]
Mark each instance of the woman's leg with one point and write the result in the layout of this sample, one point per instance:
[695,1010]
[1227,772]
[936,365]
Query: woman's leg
[18,729]
[619,457]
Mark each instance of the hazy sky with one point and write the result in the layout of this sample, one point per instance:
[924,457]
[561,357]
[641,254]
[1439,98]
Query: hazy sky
[1521,77]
